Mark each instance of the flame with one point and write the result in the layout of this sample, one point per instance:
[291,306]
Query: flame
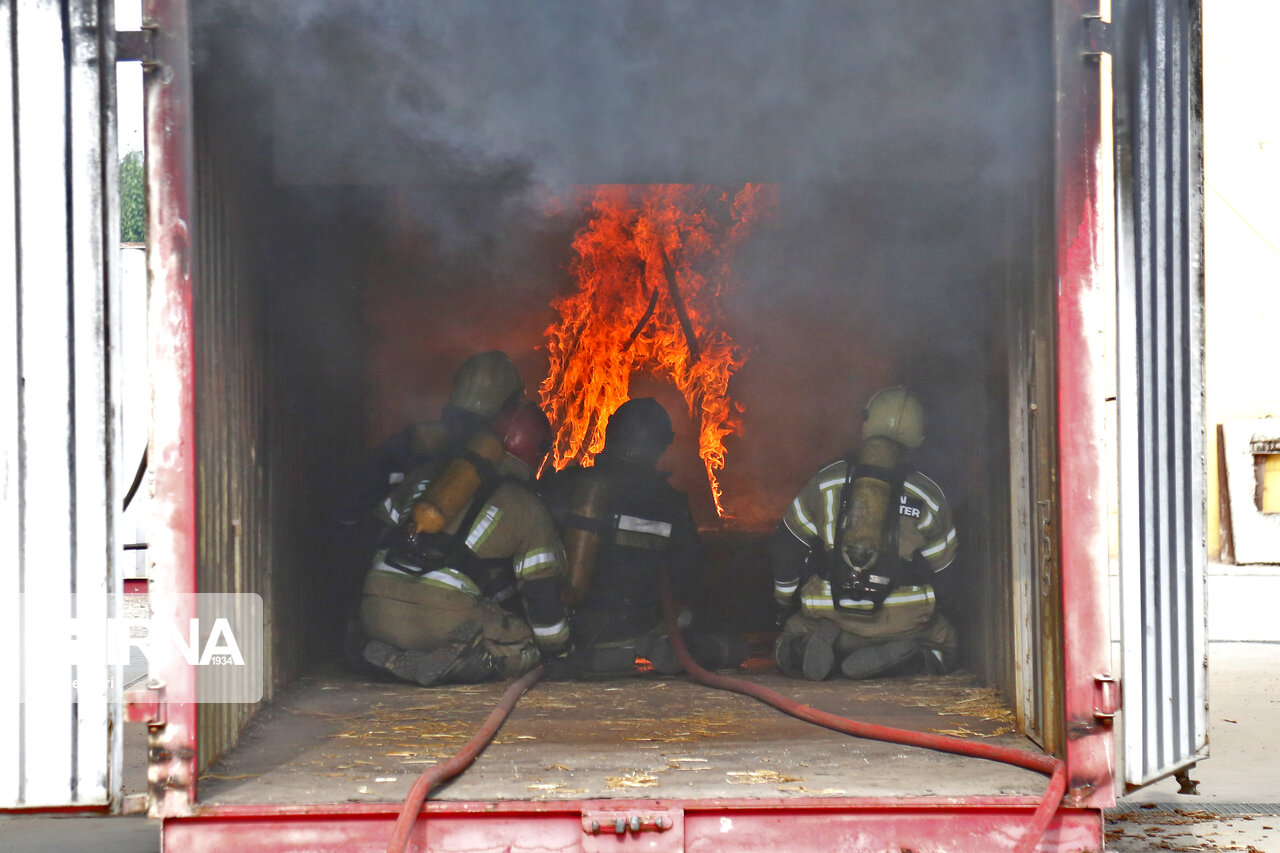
[651,265]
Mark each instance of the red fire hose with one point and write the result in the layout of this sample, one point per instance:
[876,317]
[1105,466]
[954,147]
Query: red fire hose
[1047,764]
[433,776]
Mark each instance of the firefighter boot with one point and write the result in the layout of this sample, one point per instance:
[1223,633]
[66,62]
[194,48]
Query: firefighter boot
[659,652]
[713,650]
[709,650]
[871,661]
[427,669]
[473,666]
[811,654]
[899,657]
[786,654]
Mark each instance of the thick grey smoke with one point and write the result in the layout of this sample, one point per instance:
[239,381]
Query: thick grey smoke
[646,91]
[907,137]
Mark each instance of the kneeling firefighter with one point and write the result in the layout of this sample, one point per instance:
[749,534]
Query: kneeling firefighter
[856,556]
[480,597]
[486,385]
[621,522]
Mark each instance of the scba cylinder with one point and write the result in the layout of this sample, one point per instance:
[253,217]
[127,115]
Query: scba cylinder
[582,537]
[449,493]
[872,506]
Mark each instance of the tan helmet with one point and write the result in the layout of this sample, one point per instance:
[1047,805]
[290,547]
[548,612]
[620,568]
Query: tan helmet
[896,414]
[485,384]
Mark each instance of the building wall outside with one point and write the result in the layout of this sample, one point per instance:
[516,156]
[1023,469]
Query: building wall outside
[1242,223]
[1242,277]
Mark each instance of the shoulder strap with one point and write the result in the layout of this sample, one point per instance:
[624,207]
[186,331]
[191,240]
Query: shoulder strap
[823,560]
[488,485]
[438,550]
[846,495]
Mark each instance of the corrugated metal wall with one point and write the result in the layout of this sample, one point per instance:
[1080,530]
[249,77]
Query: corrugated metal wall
[58,511]
[233,446]
[1161,386]
[277,327]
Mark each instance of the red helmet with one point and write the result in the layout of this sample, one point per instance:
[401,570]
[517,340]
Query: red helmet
[525,433]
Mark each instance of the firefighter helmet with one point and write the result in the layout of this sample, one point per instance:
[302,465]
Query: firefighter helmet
[639,431]
[896,414]
[486,384]
[525,433]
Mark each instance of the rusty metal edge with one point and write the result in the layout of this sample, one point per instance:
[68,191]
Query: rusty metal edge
[172,549]
[1081,388]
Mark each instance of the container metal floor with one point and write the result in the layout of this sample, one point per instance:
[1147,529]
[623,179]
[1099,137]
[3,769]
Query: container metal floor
[339,738]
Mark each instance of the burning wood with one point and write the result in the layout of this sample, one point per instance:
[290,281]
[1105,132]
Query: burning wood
[682,313]
[641,244]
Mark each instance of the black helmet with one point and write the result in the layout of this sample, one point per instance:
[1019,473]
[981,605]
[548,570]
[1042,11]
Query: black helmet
[639,431]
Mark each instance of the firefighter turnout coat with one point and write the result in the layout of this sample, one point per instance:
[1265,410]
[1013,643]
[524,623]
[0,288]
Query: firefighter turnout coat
[925,528]
[509,549]
[646,526]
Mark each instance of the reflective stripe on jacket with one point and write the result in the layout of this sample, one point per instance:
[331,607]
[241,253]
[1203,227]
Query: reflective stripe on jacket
[924,518]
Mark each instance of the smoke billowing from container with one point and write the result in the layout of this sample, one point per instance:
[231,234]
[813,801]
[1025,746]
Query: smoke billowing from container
[901,137]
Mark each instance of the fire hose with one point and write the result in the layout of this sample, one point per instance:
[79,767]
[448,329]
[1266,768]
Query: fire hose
[1047,764]
[438,773]
[1054,768]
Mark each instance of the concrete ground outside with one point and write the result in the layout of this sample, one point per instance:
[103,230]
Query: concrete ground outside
[1238,804]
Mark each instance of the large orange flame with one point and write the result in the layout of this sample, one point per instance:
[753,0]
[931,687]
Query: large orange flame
[651,265]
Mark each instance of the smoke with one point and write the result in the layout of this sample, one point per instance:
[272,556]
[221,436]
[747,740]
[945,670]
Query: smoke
[646,91]
[907,139]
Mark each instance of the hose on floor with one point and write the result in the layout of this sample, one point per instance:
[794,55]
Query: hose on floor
[438,773]
[1047,764]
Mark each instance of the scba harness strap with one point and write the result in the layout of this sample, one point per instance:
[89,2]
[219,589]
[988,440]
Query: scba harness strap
[626,530]
[421,553]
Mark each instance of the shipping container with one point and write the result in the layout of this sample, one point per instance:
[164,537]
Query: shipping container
[996,203]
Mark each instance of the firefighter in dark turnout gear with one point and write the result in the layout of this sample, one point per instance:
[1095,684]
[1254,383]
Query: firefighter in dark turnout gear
[433,605]
[856,554]
[621,521]
[486,385]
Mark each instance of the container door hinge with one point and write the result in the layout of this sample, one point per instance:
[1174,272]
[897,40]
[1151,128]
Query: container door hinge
[1106,697]
[658,829]
[146,705]
[170,763]
[136,46]
[1097,37]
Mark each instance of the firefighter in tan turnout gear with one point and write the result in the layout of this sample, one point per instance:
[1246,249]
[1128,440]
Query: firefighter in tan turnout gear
[486,385]
[466,584]
[856,554]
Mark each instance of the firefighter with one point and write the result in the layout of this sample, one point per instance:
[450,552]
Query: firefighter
[480,599]
[856,556]
[621,521]
[486,385]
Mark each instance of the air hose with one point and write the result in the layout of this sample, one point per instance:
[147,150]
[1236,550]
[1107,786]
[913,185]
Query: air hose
[438,773]
[1047,764]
